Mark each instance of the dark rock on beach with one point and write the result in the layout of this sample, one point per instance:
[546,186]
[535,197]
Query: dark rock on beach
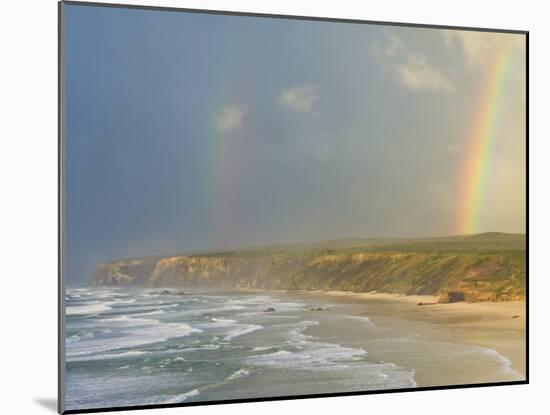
[452,297]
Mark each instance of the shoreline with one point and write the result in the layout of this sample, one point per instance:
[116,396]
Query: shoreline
[499,326]
[438,344]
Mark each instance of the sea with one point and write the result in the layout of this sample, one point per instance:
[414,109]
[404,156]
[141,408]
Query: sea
[127,347]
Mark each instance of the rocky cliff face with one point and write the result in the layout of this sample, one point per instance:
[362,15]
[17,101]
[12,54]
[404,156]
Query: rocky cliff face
[124,272]
[479,276]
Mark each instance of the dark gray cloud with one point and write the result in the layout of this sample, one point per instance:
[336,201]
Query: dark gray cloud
[193,132]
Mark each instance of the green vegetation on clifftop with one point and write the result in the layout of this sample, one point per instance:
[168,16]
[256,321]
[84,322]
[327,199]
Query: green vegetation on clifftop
[483,267]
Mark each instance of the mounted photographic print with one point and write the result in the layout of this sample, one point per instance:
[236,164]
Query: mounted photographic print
[258,207]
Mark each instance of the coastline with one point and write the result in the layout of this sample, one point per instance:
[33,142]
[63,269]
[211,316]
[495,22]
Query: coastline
[244,346]
[488,326]
[496,325]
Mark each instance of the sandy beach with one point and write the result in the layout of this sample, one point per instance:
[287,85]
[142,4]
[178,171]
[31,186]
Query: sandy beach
[436,330]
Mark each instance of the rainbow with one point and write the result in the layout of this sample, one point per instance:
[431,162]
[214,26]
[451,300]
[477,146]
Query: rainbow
[473,176]
[226,152]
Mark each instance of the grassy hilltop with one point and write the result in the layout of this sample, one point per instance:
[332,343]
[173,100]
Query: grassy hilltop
[484,267]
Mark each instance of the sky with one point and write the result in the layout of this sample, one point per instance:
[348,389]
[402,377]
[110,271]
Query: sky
[193,132]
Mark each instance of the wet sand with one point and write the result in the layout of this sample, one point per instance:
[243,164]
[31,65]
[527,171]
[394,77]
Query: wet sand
[444,344]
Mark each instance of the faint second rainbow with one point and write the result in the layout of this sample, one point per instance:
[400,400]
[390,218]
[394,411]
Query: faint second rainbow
[473,174]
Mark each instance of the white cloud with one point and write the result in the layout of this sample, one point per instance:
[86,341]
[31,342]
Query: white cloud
[394,47]
[300,98]
[480,47]
[417,74]
[231,118]
[412,70]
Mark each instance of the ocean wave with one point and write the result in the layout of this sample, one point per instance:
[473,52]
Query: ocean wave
[72,339]
[241,331]
[306,353]
[130,337]
[135,339]
[104,294]
[360,318]
[296,335]
[239,374]
[128,321]
[130,353]
[506,364]
[217,323]
[89,309]
[223,321]
[78,337]
[123,301]
[78,290]
[288,306]
[255,300]
[232,308]
[210,347]
[141,309]
[319,356]
[260,306]
[182,397]
[233,328]
[150,313]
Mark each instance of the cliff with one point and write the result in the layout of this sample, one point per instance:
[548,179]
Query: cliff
[486,267]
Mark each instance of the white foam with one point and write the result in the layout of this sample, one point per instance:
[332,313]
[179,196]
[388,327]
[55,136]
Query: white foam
[82,310]
[319,356]
[360,318]
[242,330]
[122,302]
[234,329]
[216,323]
[210,347]
[296,335]
[130,337]
[239,374]
[150,313]
[127,321]
[288,306]
[133,337]
[506,364]
[182,397]
[130,353]
[72,339]
[104,294]
[307,353]
[232,308]
[224,321]
[78,290]
[167,305]
[252,300]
